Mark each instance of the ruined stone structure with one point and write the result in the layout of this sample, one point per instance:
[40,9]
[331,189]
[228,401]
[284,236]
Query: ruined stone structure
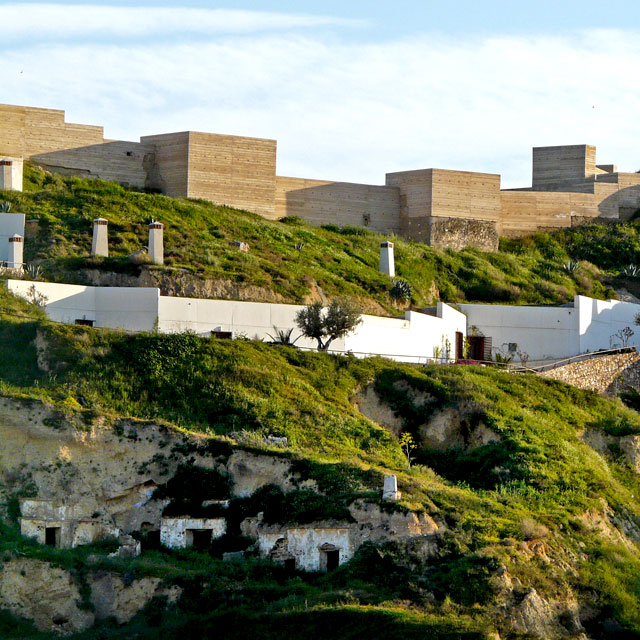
[62,526]
[439,207]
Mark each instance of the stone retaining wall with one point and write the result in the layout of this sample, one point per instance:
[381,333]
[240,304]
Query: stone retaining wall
[605,374]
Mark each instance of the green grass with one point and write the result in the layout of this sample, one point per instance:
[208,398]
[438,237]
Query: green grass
[539,479]
[342,262]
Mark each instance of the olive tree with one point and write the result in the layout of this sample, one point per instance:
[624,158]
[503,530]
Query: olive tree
[340,318]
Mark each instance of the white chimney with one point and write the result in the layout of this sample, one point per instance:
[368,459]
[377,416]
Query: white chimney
[100,244]
[11,174]
[390,491]
[16,246]
[386,259]
[156,245]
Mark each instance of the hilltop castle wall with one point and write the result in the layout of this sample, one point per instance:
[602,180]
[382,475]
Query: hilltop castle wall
[343,203]
[439,207]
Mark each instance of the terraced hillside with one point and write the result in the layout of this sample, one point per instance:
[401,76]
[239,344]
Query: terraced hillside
[290,261]
[531,488]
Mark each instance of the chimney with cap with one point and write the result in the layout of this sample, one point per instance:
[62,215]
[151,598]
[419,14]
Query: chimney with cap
[386,259]
[14,256]
[156,245]
[100,244]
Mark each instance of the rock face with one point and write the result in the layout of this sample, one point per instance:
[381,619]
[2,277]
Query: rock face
[373,408]
[111,597]
[448,428]
[249,472]
[375,525]
[47,595]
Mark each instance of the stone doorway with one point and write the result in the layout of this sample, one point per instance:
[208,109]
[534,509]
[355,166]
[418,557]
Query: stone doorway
[52,536]
[199,538]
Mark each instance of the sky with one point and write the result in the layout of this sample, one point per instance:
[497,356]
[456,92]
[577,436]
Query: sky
[351,90]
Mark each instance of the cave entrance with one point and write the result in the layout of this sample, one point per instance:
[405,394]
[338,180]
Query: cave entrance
[200,538]
[329,557]
[52,536]
[333,559]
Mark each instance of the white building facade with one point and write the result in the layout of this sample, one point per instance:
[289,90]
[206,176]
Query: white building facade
[414,338]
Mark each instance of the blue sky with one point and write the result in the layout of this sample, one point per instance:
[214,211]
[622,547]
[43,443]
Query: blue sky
[350,90]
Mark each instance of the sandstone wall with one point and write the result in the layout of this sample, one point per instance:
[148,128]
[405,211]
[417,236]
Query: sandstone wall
[323,202]
[448,194]
[124,162]
[27,131]
[170,168]
[232,170]
[552,165]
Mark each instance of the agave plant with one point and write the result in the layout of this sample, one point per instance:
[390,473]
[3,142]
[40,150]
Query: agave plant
[32,271]
[401,291]
[5,207]
[631,271]
[283,336]
[571,267]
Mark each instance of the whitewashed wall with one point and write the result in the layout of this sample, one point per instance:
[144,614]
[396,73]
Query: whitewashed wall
[10,224]
[174,532]
[416,336]
[542,332]
[413,337]
[130,308]
[600,320]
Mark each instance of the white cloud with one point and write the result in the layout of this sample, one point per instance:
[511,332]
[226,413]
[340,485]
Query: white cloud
[353,111]
[63,21]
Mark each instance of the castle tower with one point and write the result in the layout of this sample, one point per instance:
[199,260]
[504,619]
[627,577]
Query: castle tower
[16,246]
[156,244]
[387,264]
[100,244]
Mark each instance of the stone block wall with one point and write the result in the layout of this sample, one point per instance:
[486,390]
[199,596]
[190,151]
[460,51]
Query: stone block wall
[28,131]
[608,374]
[232,170]
[343,203]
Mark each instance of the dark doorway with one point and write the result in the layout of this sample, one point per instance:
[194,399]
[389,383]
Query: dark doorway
[459,345]
[333,559]
[290,565]
[201,538]
[52,536]
[151,540]
[479,348]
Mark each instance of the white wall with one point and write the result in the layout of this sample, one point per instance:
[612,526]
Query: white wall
[543,332]
[547,333]
[130,308]
[601,319]
[174,531]
[416,336]
[412,338]
[10,224]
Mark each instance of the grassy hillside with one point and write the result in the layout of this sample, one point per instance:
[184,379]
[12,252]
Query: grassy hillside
[528,503]
[288,259]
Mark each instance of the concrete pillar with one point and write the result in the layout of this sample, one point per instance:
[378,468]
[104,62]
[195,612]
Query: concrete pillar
[16,246]
[11,174]
[387,264]
[100,244]
[390,491]
[156,244]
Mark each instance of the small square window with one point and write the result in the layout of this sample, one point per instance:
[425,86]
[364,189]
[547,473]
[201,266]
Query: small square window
[513,347]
